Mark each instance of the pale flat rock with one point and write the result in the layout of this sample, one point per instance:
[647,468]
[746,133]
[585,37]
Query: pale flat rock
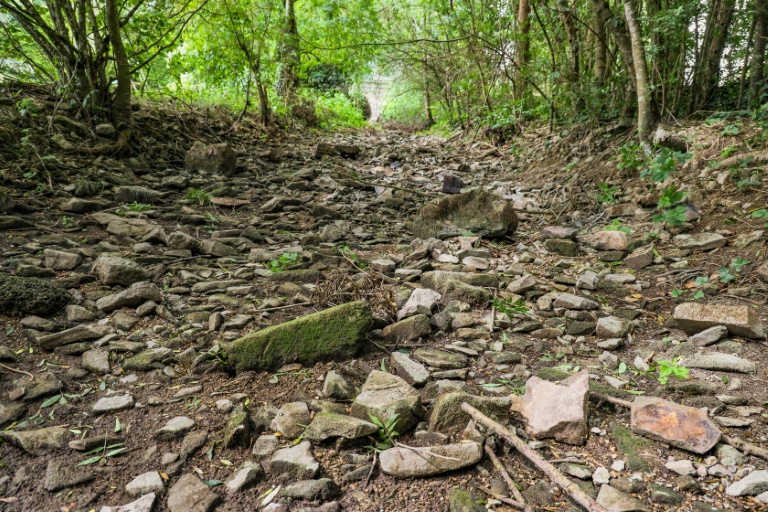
[383,395]
[421,462]
[719,362]
[297,462]
[700,241]
[413,372]
[607,240]
[190,494]
[175,428]
[422,301]
[556,409]
[112,404]
[327,425]
[144,504]
[751,485]
[741,320]
[684,427]
[709,336]
[36,441]
[146,483]
[614,500]
[570,301]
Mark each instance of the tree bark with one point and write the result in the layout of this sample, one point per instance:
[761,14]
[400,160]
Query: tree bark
[289,82]
[523,53]
[121,107]
[618,29]
[566,16]
[707,69]
[645,114]
[756,72]
[601,53]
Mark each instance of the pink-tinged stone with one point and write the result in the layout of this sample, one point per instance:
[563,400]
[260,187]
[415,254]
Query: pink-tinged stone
[684,427]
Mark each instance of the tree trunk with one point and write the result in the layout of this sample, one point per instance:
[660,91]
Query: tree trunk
[707,70]
[601,53]
[618,29]
[756,72]
[745,64]
[572,35]
[289,82]
[523,46]
[645,115]
[121,107]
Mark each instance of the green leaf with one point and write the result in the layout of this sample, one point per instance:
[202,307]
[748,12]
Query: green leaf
[51,401]
[622,368]
[212,483]
[701,280]
[118,426]
[92,460]
[10,330]
[114,452]
[698,295]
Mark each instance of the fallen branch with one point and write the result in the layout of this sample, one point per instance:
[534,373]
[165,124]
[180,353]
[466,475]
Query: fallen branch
[278,308]
[610,399]
[551,471]
[373,466]
[506,501]
[17,371]
[508,479]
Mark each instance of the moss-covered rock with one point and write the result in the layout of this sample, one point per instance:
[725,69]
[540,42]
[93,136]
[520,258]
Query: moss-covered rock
[462,500]
[630,447]
[337,332]
[30,295]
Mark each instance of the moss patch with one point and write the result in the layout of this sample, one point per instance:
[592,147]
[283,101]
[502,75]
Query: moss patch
[630,446]
[30,295]
[335,333]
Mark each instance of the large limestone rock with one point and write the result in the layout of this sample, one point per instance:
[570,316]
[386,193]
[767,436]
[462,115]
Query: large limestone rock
[693,317]
[687,428]
[447,415]
[383,395]
[479,212]
[334,333]
[134,295]
[190,494]
[211,158]
[295,462]
[616,501]
[111,270]
[30,295]
[556,409]
[431,460]
[328,424]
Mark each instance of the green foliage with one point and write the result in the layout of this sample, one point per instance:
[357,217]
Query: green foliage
[674,217]
[670,196]
[729,151]
[337,110]
[607,193]
[762,213]
[726,276]
[285,260]
[616,225]
[677,293]
[199,196]
[664,165]
[26,107]
[731,130]
[508,307]
[739,263]
[386,435]
[346,251]
[630,157]
[671,368]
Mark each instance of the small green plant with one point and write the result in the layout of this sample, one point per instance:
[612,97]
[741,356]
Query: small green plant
[739,263]
[630,157]
[729,151]
[346,251]
[762,213]
[138,207]
[211,221]
[104,452]
[285,260]
[67,222]
[386,435]
[199,196]
[726,276]
[26,107]
[663,166]
[747,183]
[674,217]
[616,225]
[677,293]
[508,307]
[671,369]
[607,193]
[670,196]
[742,164]
[730,130]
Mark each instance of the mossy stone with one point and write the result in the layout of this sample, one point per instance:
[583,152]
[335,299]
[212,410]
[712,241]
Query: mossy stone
[30,295]
[630,446]
[462,500]
[335,333]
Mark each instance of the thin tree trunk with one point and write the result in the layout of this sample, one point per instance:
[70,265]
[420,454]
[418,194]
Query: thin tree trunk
[618,29]
[523,46]
[601,52]
[756,72]
[745,65]
[707,69]
[645,114]
[572,35]
[291,59]
[121,107]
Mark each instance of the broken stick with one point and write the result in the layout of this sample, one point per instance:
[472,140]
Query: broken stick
[551,471]
[508,479]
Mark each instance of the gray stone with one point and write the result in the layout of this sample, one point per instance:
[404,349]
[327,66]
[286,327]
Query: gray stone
[556,409]
[135,295]
[264,446]
[480,212]
[741,320]
[570,301]
[640,258]
[431,460]
[249,474]
[175,428]
[440,359]
[613,327]
[447,414]
[113,403]
[96,361]
[587,281]
[147,360]
[410,328]
[179,240]
[709,336]
[601,476]
[113,270]
[681,467]
[384,395]
[144,504]
[296,462]
[441,280]
[576,471]
[522,285]
[719,362]
[211,158]
[312,490]
[190,494]
[237,431]
[700,241]
[614,500]
[289,418]
[77,333]
[559,232]
[61,475]
[136,194]
[78,314]
[751,485]
[413,372]
[327,425]
[422,301]
[150,482]
[60,260]
[611,344]
[36,441]
[607,240]
[337,387]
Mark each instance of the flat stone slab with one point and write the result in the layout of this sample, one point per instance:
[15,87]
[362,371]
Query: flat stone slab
[440,359]
[684,427]
[175,428]
[36,441]
[719,362]
[431,460]
[150,482]
[614,500]
[740,320]
[112,404]
[700,241]
[144,504]
[327,425]
[556,409]
[383,395]
[751,485]
[77,333]
[413,372]
[297,462]
[190,494]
